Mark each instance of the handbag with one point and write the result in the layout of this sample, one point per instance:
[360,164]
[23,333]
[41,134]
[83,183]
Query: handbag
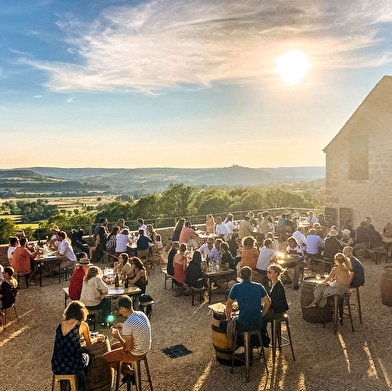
[178,290]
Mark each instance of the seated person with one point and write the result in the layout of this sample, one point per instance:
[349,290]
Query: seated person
[77,241]
[158,242]
[23,260]
[220,228]
[123,239]
[122,266]
[228,280]
[194,275]
[233,245]
[346,239]
[76,282]
[173,251]
[68,357]
[332,245]
[249,253]
[293,248]
[357,272]
[111,241]
[275,242]
[65,251]
[180,263]
[13,244]
[314,244]
[336,283]
[361,237]
[8,290]
[277,294]
[209,251]
[138,275]
[93,290]
[266,257]
[188,235]
[53,242]
[375,239]
[143,243]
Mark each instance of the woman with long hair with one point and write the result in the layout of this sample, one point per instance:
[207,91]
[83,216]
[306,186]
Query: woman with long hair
[93,291]
[210,224]
[336,283]
[138,274]
[194,275]
[180,263]
[68,357]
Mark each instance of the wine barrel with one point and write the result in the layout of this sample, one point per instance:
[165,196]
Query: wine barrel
[386,286]
[316,314]
[99,374]
[222,345]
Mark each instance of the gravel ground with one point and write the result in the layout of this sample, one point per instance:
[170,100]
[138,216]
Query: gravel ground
[347,361]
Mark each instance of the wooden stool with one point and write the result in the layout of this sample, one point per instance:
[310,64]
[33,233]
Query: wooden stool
[136,374]
[339,301]
[276,334]
[5,314]
[91,317]
[248,350]
[358,304]
[197,290]
[73,381]
[26,276]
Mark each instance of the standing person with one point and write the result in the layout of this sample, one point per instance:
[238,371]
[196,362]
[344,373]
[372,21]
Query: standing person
[245,228]
[357,275]
[76,282]
[53,242]
[68,357]
[173,251]
[122,241]
[177,230]
[210,224]
[229,222]
[141,225]
[151,233]
[134,338]
[335,284]
[65,251]
[23,260]
[311,219]
[13,244]
[266,257]
[111,240]
[253,303]
[220,229]
[262,225]
[93,291]
[121,224]
[102,236]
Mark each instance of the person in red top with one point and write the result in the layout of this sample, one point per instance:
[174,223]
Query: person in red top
[188,235]
[76,283]
[22,260]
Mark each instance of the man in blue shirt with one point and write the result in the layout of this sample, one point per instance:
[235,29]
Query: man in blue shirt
[253,303]
[357,271]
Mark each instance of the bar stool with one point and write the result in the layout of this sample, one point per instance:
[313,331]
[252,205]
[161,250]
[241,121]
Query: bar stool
[248,350]
[136,373]
[276,334]
[339,302]
[358,303]
[73,379]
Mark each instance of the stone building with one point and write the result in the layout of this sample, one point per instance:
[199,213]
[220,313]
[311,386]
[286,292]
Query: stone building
[359,163]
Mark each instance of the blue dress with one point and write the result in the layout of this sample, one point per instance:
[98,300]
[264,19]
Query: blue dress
[68,357]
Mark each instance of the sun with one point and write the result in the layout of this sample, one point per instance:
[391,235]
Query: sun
[292,67]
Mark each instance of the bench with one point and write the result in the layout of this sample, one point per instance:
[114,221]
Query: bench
[377,255]
[199,291]
[168,277]
[110,257]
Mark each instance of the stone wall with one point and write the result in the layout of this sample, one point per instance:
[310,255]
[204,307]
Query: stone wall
[371,197]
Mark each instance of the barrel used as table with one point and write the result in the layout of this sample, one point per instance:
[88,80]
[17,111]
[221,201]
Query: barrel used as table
[386,286]
[221,343]
[99,374]
[315,314]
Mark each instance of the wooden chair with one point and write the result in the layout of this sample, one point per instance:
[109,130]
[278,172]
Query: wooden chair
[5,314]
[143,255]
[155,258]
[74,380]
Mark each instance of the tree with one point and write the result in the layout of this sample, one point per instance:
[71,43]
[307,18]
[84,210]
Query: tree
[7,229]
[176,199]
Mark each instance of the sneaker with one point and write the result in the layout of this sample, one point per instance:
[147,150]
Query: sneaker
[240,350]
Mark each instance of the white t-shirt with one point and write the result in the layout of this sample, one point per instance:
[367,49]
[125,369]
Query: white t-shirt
[66,250]
[139,327]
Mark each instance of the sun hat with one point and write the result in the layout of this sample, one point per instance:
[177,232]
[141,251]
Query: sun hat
[55,228]
[333,232]
[346,232]
[84,262]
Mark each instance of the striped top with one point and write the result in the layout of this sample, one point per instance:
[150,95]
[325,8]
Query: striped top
[139,327]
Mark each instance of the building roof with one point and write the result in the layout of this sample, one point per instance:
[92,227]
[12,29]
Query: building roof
[382,88]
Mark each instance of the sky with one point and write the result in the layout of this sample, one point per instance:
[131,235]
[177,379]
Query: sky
[183,83]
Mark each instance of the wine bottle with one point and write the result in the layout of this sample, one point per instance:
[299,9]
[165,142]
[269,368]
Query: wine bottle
[116,281]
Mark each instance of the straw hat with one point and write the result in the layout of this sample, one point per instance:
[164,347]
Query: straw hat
[55,228]
[333,232]
[84,262]
[346,232]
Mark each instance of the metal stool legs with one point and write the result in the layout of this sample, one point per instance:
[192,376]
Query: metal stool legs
[276,327]
[248,350]
[339,301]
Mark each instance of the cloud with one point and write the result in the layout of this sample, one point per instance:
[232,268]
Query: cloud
[37,96]
[70,100]
[176,43]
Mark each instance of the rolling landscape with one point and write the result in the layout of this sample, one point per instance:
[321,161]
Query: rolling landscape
[47,181]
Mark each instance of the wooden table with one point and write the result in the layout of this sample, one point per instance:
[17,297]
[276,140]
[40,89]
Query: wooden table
[215,273]
[47,259]
[113,293]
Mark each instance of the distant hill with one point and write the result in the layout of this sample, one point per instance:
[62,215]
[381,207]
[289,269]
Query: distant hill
[147,180]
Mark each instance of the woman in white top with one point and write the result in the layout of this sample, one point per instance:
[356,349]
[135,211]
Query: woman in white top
[93,290]
[122,241]
[13,244]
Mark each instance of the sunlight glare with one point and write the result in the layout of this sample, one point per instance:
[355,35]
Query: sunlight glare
[292,67]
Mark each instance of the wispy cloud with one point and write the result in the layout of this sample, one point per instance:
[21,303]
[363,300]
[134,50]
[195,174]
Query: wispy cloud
[70,100]
[167,43]
[37,96]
